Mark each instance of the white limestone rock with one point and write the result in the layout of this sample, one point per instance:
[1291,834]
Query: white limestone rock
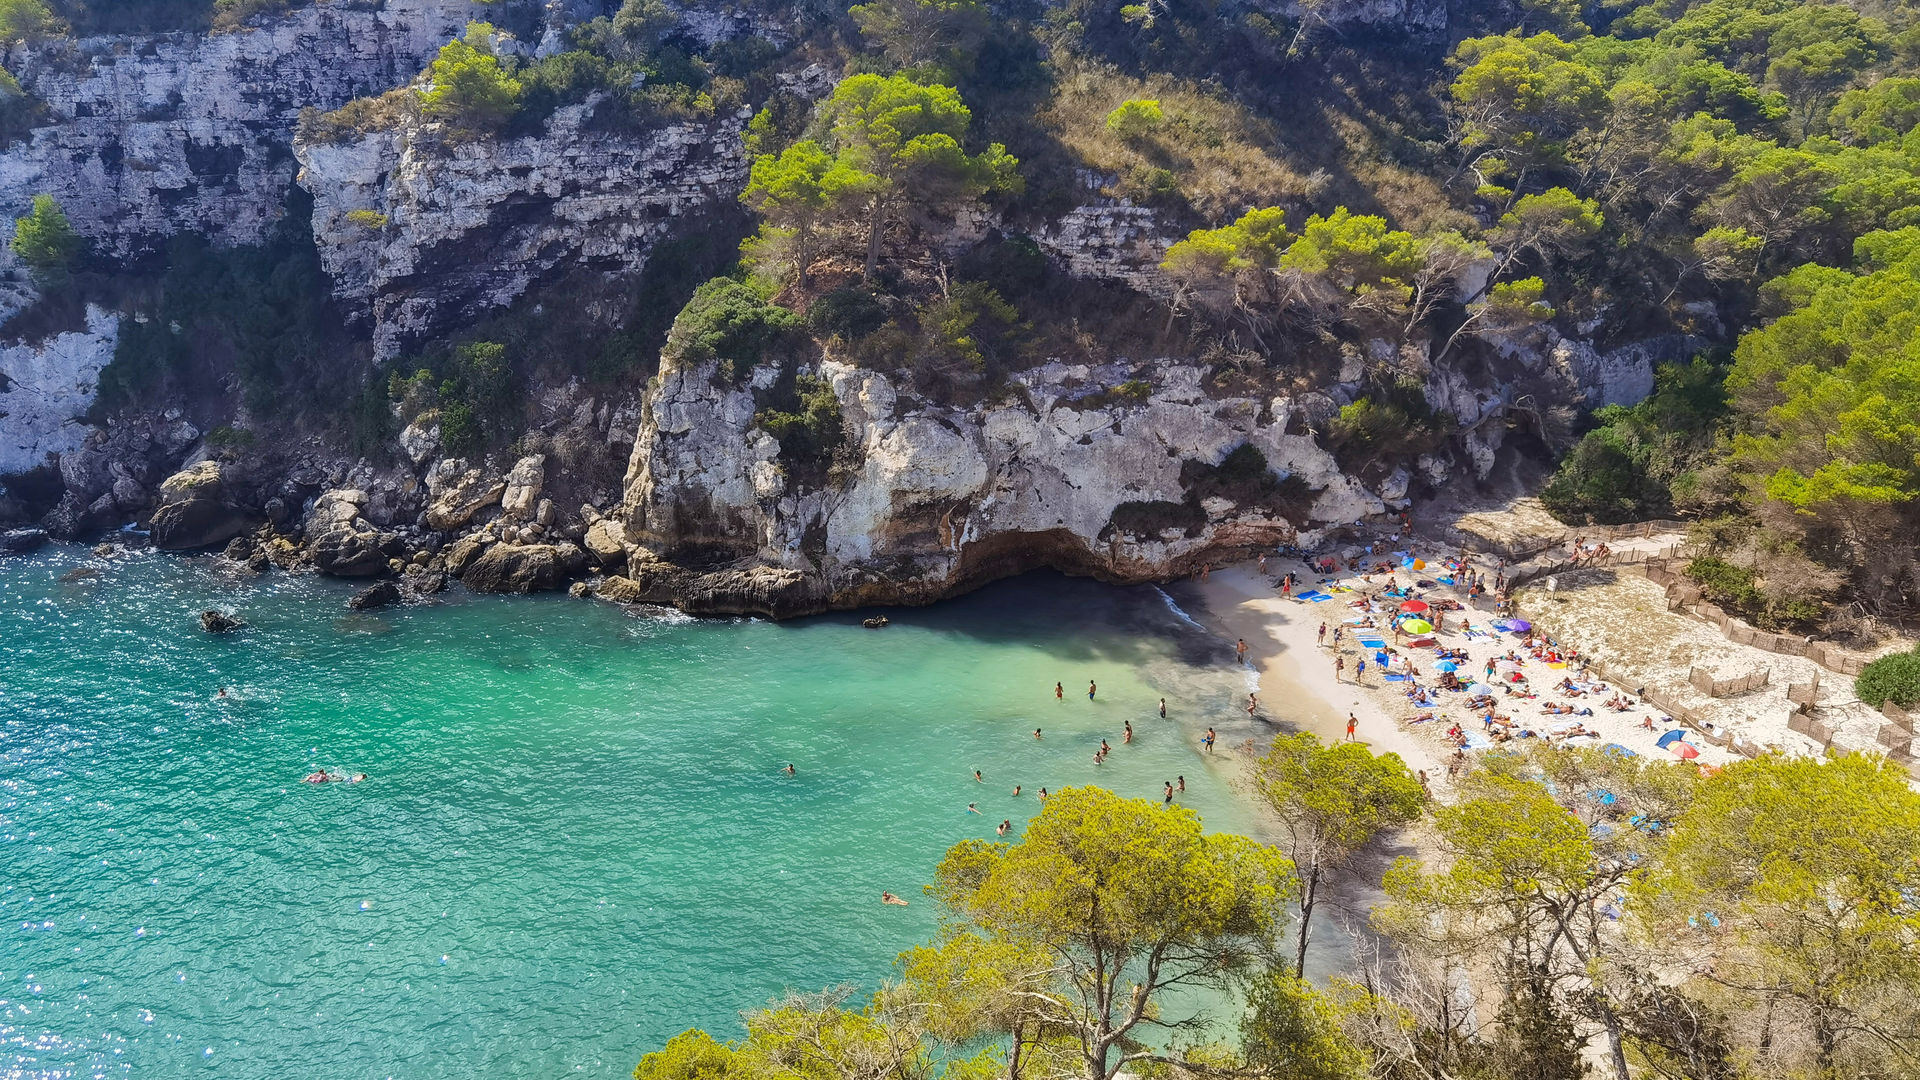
[46,388]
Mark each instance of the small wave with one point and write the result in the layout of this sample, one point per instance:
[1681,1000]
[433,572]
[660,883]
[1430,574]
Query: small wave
[1175,608]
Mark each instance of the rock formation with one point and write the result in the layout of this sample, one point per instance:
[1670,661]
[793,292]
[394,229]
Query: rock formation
[417,233]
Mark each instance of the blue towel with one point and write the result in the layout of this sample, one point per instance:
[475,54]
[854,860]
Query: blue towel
[1397,678]
[1373,642]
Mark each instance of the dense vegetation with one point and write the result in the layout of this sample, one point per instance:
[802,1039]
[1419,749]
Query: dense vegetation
[1755,924]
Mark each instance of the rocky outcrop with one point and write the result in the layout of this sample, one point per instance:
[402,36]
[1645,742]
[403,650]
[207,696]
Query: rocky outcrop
[456,492]
[521,496]
[341,542]
[523,568]
[1062,473]
[1119,242]
[21,541]
[419,232]
[150,136]
[199,508]
[46,388]
[378,595]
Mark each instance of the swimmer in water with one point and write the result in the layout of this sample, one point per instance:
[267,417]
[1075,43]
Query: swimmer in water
[1183,784]
[1128,736]
[1016,791]
[356,777]
[889,898]
[1059,692]
[789,769]
[222,694]
[1207,741]
[1043,794]
[1163,708]
[976,777]
[320,777]
[972,809]
[1003,827]
[1036,733]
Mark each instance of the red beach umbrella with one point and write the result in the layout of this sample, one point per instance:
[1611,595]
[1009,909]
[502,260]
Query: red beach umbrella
[1685,751]
[1414,606]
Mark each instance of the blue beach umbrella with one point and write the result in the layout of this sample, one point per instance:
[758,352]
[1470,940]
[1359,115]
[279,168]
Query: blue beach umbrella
[1670,737]
[1446,665]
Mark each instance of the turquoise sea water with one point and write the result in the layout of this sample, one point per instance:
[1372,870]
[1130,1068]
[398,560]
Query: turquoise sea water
[574,840]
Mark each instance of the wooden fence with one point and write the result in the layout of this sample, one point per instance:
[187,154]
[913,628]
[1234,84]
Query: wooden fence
[1702,680]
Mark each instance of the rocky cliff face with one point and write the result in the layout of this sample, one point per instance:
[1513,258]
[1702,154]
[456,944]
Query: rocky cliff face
[151,136]
[1060,473]
[46,388]
[418,233]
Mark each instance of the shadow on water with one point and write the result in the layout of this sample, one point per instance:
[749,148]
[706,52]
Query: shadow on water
[1122,624]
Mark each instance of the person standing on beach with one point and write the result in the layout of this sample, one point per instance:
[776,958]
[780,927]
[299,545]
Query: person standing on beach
[1090,689]
[1207,740]
[1321,637]
[1263,562]
[1205,569]
[1339,667]
[1360,667]
[1253,703]
[1163,708]
[1336,635]
[1240,650]
[1352,722]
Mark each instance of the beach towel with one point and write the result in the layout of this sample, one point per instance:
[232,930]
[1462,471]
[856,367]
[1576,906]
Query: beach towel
[1444,580]
[1397,678]
[1316,598]
[1373,642]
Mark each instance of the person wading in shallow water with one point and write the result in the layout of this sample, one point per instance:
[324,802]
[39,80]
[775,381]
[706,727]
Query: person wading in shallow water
[1059,692]
[1163,708]
[1090,689]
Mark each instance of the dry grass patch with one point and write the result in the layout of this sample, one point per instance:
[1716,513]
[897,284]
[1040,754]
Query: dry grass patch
[1209,151]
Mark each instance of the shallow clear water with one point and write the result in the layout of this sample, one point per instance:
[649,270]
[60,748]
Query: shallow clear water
[574,840]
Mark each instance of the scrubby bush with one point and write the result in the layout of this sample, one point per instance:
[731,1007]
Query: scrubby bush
[1390,422]
[22,20]
[476,397]
[370,220]
[848,313]
[809,427]
[729,322]
[46,241]
[1136,119]
[1894,677]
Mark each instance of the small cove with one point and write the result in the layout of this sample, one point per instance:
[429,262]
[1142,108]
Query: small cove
[574,841]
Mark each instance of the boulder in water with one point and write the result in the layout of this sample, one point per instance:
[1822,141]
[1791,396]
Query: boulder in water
[21,541]
[197,509]
[375,596]
[219,622]
[521,568]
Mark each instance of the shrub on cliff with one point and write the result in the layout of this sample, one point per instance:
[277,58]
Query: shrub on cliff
[1895,678]
[1136,118]
[23,20]
[46,242]
[728,322]
[468,87]
[809,427]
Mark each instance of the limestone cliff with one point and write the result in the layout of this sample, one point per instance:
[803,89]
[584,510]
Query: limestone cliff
[418,233]
[150,136]
[46,388]
[1058,472]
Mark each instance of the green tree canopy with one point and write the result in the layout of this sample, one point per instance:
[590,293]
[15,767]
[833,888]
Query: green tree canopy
[45,240]
[1124,900]
[1794,881]
[1331,802]
[932,38]
[467,87]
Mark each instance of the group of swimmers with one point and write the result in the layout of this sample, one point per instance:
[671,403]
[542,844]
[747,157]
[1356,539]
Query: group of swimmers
[322,776]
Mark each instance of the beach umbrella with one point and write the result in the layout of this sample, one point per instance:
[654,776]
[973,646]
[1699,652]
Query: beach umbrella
[1669,738]
[1417,626]
[1507,667]
[1414,606]
[1519,625]
[1419,564]
[1480,689]
[1685,751]
[1446,665]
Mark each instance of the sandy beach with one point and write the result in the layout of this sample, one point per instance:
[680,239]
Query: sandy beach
[1298,685]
